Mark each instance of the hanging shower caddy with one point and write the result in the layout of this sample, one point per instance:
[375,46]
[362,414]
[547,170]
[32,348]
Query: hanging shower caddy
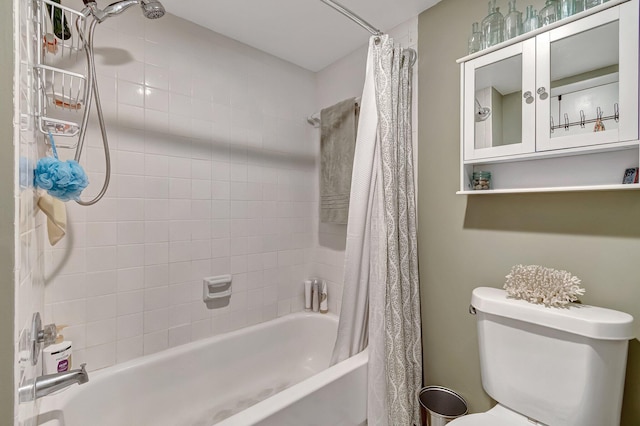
[61,92]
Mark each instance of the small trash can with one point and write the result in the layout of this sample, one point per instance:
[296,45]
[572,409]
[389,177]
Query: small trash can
[439,406]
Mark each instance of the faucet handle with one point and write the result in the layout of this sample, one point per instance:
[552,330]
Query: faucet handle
[47,335]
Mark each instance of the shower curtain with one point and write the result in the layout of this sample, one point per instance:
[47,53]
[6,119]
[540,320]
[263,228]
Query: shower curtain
[380,303]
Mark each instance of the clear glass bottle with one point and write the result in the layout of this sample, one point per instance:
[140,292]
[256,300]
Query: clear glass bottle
[475,40]
[549,13]
[493,26]
[566,8]
[533,20]
[512,22]
[579,6]
[592,3]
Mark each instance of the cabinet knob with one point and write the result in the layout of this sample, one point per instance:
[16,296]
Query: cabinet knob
[543,93]
[528,97]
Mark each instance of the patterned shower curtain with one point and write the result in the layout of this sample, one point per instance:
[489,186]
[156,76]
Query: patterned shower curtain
[381,302]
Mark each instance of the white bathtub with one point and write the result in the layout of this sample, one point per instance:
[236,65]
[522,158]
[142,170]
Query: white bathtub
[270,374]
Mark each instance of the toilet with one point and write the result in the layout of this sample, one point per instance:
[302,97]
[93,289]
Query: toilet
[549,366]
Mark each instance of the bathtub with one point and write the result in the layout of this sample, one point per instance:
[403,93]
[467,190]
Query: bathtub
[272,374]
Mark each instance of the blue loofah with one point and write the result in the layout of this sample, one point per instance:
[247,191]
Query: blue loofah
[61,179]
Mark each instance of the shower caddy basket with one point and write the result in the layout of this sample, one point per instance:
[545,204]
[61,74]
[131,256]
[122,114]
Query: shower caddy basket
[61,93]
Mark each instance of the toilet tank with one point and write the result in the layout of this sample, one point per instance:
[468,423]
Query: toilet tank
[557,366]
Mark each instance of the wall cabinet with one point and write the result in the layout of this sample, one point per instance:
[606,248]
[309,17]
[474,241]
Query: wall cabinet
[557,108]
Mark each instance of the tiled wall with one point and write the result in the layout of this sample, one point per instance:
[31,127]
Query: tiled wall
[341,80]
[29,247]
[213,173]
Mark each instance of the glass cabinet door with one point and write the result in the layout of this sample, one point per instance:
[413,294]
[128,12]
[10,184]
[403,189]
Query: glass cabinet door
[499,104]
[586,87]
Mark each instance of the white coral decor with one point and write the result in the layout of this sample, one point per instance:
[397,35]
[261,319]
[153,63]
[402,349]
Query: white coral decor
[537,284]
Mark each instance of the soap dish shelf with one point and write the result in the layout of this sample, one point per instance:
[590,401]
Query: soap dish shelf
[217,287]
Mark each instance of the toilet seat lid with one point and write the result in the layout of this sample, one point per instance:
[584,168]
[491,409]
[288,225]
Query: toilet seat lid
[497,416]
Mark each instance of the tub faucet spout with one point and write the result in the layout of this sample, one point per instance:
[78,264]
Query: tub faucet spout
[44,385]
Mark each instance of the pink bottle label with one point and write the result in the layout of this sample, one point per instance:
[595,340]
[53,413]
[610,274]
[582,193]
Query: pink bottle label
[63,366]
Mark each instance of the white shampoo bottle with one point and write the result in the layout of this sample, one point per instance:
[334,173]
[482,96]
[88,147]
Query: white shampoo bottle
[56,358]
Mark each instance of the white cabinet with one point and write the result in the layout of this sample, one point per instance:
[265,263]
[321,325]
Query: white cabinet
[557,108]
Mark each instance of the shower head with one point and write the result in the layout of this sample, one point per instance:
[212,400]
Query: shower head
[152,9]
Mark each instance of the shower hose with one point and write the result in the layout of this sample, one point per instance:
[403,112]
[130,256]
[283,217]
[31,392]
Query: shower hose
[92,91]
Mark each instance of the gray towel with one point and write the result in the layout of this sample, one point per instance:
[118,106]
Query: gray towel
[338,128]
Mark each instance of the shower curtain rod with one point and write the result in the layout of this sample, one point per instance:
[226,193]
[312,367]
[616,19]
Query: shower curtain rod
[355,18]
[364,24]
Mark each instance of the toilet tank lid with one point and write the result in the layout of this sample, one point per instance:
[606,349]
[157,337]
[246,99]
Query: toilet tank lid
[584,320]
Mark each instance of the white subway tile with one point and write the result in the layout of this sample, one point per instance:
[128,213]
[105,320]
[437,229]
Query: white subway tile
[129,326]
[101,332]
[101,308]
[156,253]
[130,93]
[130,209]
[180,251]
[180,209]
[130,256]
[156,298]
[156,209]
[180,188]
[131,302]
[180,315]
[72,312]
[201,329]
[156,276]
[179,272]
[180,294]
[220,209]
[128,349]
[130,186]
[101,283]
[156,320]
[130,279]
[179,335]
[156,187]
[156,342]
[200,189]
[156,165]
[155,76]
[156,231]
[101,258]
[66,288]
[97,357]
[131,232]
[156,99]
[200,249]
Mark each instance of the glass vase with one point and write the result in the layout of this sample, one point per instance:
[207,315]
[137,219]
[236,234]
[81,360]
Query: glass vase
[566,8]
[512,22]
[533,21]
[493,26]
[592,3]
[549,14]
[475,40]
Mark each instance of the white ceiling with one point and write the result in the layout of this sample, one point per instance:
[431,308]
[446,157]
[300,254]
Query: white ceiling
[305,32]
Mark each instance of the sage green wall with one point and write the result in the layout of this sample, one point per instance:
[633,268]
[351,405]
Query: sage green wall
[470,241]
[6,214]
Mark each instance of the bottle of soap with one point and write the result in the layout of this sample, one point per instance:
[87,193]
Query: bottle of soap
[56,358]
